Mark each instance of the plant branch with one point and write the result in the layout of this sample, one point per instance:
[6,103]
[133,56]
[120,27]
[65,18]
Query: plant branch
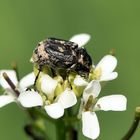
[69,121]
[134,125]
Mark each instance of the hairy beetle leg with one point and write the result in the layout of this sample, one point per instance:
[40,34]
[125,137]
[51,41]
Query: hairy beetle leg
[36,78]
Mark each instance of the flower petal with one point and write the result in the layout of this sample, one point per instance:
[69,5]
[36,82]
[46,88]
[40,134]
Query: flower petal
[112,102]
[55,110]
[12,76]
[107,64]
[93,89]
[79,81]
[67,98]
[27,81]
[80,39]
[48,85]
[109,77]
[6,99]
[30,99]
[90,125]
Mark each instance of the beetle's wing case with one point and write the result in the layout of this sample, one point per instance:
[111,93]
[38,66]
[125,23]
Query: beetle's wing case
[62,42]
[61,53]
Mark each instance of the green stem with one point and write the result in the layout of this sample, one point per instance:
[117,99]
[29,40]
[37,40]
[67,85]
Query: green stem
[134,125]
[70,119]
[65,131]
[37,129]
[64,126]
[60,130]
[71,133]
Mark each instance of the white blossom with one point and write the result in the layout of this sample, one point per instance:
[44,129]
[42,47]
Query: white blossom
[30,98]
[55,109]
[80,39]
[90,124]
[104,70]
[21,85]
[65,100]
[54,106]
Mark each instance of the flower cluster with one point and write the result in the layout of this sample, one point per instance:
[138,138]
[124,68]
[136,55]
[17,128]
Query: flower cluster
[55,94]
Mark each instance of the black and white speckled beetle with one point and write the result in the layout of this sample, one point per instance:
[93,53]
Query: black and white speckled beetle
[62,54]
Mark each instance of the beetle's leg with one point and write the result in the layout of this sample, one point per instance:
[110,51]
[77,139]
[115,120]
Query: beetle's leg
[36,78]
[69,70]
[28,89]
[53,72]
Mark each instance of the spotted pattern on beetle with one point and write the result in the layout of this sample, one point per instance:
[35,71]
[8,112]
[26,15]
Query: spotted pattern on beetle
[62,54]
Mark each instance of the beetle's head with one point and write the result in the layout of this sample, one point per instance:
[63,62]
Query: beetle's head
[34,57]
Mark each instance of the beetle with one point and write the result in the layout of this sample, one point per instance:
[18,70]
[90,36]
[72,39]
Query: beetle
[62,55]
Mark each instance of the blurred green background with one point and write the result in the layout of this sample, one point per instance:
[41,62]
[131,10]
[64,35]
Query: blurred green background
[111,23]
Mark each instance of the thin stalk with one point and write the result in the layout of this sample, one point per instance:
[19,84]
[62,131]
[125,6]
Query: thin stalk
[112,52]
[36,129]
[15,68]
[69,120]
[71,133]
[134,125]
[60,130]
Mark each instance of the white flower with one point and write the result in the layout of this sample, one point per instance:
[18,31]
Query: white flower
[31,98]
[56,109]
[80,39]
[21,85]
[53,107]
[104,69]
[89,104]
[65,100]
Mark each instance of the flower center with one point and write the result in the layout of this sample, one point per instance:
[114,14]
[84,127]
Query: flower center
[97,73]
